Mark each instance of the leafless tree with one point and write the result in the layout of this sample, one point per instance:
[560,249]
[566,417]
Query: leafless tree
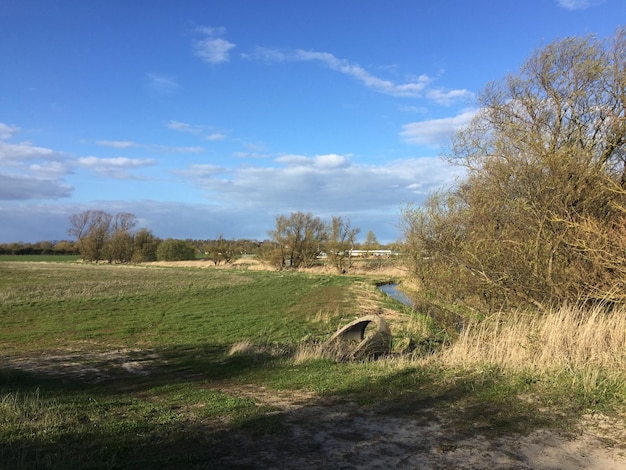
[541,216]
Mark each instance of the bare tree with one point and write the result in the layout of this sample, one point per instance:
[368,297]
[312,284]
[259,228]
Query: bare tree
[92,230]
[101,235]
[220,250]
[340,241]
[541,216]
[370,243]
[124,221]
[79,224]
[298,238]
[119,245]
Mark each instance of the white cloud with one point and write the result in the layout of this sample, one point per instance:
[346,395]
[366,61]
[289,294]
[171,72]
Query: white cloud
[114,162]
[49,170]
[123,144]
[413,88]
[212,48]
[202,170]
[6,131]
[447,98]
[578,4]
[183,127]
[25,187]
[118,144]
[243,202]
[322,184]
[435,132]
[252,155]
[25,151]
[204,132]
[113,167]
[29,171]
[211,30]
[323,162]
[163,84]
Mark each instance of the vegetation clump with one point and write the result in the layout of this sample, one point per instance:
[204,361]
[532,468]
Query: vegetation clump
[540,217]
[175,250]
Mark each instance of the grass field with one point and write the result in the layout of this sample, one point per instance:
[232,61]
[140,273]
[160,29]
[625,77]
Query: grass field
[127,367]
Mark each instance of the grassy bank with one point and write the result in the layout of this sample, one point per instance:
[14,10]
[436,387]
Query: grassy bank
[121,366]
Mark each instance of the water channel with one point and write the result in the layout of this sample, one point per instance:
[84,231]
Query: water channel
[394,292]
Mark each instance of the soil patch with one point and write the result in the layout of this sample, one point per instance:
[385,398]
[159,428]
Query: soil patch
[325,433]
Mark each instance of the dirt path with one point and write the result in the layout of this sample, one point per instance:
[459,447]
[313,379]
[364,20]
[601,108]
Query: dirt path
[322,433]
[341,434]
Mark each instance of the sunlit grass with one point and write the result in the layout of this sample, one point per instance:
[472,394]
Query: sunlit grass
[153,364]
[572,338]
[60,306]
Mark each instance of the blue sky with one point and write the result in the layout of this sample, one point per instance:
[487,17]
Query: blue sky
[208,118]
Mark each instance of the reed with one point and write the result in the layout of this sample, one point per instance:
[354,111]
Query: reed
[571,339]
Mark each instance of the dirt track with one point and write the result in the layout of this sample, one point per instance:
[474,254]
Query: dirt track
[322,433]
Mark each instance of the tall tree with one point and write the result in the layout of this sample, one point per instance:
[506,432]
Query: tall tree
[541,215]
[91,228]
[370,243]
[119,244]
[101,235]
[145,246]
[220,250]
[298,239]
[340,240]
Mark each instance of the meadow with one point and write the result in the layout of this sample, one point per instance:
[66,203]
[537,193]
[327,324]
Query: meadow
[176,367]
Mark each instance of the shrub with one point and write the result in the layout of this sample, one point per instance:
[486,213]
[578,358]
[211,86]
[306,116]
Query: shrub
[175,250]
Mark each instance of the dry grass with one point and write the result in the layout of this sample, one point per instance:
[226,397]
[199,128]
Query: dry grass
[571,339]
[306,352]
[326,316]
[337,351]
[248,348]
[585,348]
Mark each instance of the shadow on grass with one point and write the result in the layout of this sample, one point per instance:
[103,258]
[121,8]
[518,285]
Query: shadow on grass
[177,412]
[128,371]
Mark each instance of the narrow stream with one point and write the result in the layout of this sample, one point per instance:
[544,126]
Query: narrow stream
[392,291]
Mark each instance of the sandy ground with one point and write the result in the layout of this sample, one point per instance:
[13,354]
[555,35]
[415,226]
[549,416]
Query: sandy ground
[322,433]
[344,435]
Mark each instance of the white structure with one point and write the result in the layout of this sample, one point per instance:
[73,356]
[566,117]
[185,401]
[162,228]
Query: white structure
[364,253]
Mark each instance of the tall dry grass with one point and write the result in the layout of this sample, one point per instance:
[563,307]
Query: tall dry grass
[572,338]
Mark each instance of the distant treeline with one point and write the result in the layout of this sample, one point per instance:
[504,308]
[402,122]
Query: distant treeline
[297,241]
[201,248]
[69,247]
[63,247]
[218,250]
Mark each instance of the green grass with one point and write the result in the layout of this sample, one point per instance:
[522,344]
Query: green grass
[60,306]
[99,415]
[146,379]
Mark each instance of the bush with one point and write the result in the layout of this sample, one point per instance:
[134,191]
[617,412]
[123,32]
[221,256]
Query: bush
[541,216]
[175,250]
